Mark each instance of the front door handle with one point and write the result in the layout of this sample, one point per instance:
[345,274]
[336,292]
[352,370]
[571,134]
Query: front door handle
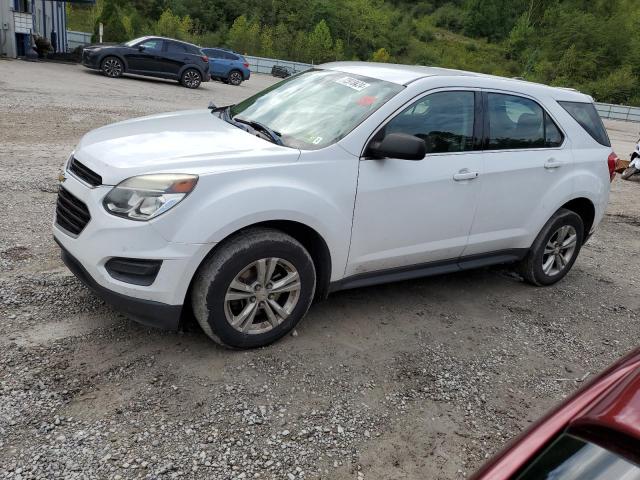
[465,174]
[552,163]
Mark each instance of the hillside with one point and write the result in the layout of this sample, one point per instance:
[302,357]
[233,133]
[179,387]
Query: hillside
[586,44]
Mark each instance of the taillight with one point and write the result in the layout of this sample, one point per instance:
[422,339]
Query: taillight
[205,59]
[246,65]
[611,163]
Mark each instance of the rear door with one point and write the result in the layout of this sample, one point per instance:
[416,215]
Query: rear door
[174,57]
[526,157]
[216,62]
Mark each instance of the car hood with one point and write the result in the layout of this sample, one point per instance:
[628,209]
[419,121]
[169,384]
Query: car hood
[194,141]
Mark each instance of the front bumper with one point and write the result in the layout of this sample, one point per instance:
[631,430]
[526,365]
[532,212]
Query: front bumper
[106,236]
[147,312]
[90,60]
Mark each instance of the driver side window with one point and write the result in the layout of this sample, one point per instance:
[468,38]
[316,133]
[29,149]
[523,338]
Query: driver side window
[153,44]
[444,120]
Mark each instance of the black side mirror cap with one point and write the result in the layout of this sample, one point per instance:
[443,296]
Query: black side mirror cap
[140,48]
[399,145]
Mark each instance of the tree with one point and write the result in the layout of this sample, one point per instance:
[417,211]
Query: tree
[266,42]
[170,25]
[238,34]
[320,46]
[111,19]
[381,55]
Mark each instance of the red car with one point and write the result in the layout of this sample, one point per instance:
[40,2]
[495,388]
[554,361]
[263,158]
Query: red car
[594,435]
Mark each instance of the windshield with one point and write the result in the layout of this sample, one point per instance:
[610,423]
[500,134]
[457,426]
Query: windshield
[316,108]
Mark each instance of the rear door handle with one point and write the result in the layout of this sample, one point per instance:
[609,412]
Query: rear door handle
[465,174]
[552,163]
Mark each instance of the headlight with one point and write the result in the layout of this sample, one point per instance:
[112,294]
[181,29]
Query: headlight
[147,196]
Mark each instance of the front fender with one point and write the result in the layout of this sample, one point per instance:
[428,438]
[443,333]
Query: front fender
[313,193]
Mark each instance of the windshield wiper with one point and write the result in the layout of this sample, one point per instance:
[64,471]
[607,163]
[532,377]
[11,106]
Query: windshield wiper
[275,136]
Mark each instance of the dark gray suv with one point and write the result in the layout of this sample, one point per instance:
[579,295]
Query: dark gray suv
[153,57]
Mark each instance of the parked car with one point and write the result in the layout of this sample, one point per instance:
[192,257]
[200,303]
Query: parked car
[151,56]
[282,71]
[593,435]
[344,176]
[227,66]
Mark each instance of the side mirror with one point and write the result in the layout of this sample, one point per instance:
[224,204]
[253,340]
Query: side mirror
[141,48]
[399,145]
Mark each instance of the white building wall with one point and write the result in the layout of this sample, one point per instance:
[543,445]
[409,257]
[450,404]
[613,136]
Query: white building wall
[46,16]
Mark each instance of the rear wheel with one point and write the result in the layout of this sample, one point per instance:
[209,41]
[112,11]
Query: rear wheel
[254,289]
[112,67]
[235,78]
[191,78]
[629,172]
[555,249]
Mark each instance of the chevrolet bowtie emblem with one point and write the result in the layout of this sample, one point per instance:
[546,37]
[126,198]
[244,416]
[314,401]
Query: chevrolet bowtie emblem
[61,177]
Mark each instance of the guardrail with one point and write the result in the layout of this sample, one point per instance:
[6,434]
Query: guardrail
[618,112]
[264,65]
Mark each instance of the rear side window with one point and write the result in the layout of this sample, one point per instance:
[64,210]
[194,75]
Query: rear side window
[444,120]
[213,53]
[519,123]
[173,47]
[587,116]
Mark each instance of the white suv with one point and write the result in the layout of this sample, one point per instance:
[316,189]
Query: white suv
[344,176]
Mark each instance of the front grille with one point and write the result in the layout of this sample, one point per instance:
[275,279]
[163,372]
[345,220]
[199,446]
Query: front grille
[84,173]
[71,213]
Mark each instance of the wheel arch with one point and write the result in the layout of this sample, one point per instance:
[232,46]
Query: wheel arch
[118,56]
[235,69]
[310,239]
[189,66]
[585,209]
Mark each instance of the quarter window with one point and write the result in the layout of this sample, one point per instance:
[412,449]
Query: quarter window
[444,120]
[519,123]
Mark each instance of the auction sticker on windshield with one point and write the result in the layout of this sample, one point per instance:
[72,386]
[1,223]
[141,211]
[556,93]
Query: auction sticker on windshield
[354,83]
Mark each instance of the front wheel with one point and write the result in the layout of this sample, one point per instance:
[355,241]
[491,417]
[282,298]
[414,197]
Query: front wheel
[191,78]
[254,289]
[112,67]
[555,250]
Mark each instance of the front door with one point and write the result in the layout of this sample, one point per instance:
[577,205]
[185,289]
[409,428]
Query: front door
[409,213]
[144,57]
[525,157]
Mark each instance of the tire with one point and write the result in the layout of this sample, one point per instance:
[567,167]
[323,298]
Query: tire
[235,77]
[545,249]
[238,261]
[191,78]
[629,172]
[112,67]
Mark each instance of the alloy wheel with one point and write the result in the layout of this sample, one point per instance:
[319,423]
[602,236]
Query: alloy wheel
[235,78]
[262,295]
[191,79]
[112,67]
[559,250]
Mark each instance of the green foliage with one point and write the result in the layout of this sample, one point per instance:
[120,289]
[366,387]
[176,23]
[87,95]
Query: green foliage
[381,55]
[591,45]
[320,46]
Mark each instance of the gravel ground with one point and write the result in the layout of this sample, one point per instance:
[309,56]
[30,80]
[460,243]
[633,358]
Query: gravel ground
[421,379]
